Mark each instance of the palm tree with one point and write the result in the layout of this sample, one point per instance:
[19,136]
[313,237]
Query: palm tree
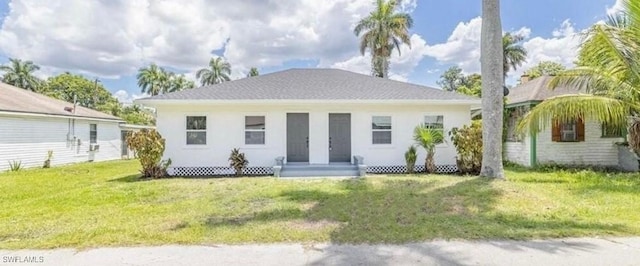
[253,72]
[218,72]
[427,138]
[180,82]
[492,89]
[20,74]
[609,71]
[153,80]
[382,31]
[514,54]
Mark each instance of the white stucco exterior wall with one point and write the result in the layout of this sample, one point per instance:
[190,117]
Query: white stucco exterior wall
[225,131]
[27,139]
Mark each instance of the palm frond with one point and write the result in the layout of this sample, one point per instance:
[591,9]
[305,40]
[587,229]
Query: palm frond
[569,108]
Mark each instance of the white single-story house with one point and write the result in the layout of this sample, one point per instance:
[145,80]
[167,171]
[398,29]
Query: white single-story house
[327,120]
[582,143]
[32,124]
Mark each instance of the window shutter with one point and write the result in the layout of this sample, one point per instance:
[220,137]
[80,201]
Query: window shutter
[555,131]
[580,130]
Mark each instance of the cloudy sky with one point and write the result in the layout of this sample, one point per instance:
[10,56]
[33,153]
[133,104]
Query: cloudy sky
[111,39]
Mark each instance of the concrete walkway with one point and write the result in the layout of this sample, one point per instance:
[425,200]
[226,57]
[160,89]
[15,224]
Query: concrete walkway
[576,251]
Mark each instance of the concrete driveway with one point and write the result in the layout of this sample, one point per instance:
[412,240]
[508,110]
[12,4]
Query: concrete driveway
[575,251]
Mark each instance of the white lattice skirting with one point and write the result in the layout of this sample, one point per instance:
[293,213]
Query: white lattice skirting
[218,171]
[401,169]
[264,171]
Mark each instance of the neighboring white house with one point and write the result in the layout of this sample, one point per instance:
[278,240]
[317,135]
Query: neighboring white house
[318,119]
[32,124]
[587,143]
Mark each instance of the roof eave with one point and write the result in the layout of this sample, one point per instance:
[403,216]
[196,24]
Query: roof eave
[165,102]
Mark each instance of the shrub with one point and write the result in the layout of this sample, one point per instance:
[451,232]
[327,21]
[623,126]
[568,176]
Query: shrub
[428,138]
[47,161]
[468,143]
[148,145]
[410,158]
[238,161]
[15,166]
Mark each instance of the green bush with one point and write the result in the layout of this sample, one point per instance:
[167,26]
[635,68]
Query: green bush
[410,158]
[148,145]
[468,143]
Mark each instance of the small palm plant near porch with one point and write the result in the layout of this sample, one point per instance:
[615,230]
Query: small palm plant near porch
[427,138]
[238,161]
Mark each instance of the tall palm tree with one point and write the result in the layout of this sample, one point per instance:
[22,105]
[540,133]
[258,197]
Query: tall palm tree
[218,72]
[514,54]
[180,82]
[492,89]
[20,74]
[609,70]
[427,138]
[253,72]
[152,80]
[381,32]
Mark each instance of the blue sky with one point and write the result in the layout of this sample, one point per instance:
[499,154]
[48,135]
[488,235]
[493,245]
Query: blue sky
[111,39]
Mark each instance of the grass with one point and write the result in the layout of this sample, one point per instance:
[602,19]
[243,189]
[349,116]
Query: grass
[104,204]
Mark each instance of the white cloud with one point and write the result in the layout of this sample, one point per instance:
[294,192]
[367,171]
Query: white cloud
[616,8]
[115,38]
[126,98]
[463,47]
[401,65]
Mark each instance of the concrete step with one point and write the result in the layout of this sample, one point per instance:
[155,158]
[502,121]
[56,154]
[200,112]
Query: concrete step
[318,173]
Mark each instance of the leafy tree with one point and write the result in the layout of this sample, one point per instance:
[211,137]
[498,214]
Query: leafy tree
[514,55]
[427,138]
[136,115]
[451,79]
[492,65]
[454,80]
[20,74]
[179,83]
[218,72]
[545,68]
[253,72]
[609,70]
[153,80]
[88,93]
[381,32]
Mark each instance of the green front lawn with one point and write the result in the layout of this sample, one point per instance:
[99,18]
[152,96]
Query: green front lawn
[103,204]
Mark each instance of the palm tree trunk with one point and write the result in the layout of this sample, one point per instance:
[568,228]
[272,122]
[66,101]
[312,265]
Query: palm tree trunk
[492,89]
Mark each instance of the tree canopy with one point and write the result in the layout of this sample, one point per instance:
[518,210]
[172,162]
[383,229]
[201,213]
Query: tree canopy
[382,31]
[545,68]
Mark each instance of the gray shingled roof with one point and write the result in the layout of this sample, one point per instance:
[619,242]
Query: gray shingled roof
[14,99]
[312,84]
[537,90]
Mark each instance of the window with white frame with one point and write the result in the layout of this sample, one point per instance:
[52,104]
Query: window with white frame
[196,130]
[434,122]
[381,129]
[568,132]
[254,130]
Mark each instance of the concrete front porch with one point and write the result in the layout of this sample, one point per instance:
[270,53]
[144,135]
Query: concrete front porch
[341,169]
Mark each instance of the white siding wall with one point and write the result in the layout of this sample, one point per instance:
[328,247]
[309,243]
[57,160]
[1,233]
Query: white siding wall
[27,139]
[595,150]
[518,152]
[225,131]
